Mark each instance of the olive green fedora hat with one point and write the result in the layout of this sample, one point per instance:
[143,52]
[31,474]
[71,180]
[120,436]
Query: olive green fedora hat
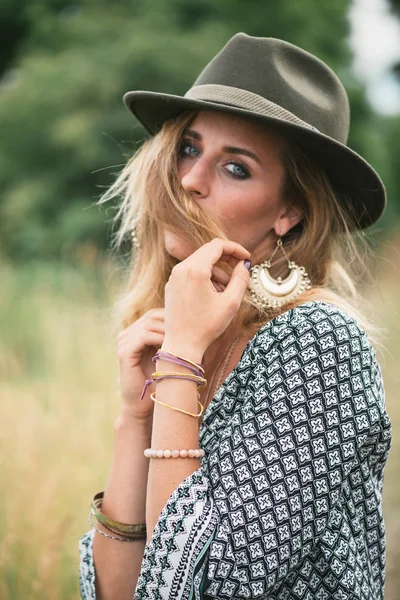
[294,92]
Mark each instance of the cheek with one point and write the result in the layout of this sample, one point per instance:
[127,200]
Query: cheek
[184,167]
[254,204]
[177,246]
[180,169]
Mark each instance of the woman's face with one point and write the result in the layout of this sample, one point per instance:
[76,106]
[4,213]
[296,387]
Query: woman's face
[232,168]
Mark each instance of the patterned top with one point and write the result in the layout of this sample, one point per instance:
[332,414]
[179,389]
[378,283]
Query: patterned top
[286,504]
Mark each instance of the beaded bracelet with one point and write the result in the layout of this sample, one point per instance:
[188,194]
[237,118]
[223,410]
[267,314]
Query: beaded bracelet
[185,412]
[197,453]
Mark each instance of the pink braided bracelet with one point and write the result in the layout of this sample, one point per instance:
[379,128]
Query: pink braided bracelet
[196,368]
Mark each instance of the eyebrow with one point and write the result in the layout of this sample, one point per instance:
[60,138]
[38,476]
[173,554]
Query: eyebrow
[229,149]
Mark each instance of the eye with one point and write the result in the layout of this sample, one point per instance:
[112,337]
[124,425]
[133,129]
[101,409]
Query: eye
[188,149]
[237,170]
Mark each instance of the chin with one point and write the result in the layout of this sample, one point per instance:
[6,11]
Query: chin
[178,246]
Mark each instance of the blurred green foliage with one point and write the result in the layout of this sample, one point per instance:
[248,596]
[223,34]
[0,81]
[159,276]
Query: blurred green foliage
[64,130]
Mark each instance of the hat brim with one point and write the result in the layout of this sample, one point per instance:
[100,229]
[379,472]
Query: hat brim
[353,178]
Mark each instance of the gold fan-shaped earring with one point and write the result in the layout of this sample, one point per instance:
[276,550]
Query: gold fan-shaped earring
[268,292]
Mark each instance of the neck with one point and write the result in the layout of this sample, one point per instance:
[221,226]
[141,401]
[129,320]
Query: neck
[218,349]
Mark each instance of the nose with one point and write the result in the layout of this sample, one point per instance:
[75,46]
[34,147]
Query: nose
[195,179]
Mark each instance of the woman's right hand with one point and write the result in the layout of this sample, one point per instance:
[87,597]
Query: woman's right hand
[137,344]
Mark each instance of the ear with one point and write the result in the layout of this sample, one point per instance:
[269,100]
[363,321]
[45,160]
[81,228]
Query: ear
[287,219]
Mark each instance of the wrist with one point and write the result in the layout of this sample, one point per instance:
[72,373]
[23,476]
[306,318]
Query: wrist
[184,349]
[128,418]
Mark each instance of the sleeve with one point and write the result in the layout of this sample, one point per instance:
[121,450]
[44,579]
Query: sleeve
[182,533]
[86,567]
[311,411]
[173,562]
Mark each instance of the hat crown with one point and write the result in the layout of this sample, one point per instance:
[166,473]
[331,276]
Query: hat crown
[285,75]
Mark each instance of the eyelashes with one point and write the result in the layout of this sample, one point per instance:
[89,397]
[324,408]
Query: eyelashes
[186,150]
[233,168]
[238,171]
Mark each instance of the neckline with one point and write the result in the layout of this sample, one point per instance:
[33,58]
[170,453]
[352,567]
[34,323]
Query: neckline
[245,351]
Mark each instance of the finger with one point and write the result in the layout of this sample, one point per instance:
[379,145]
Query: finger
[220,276]
[155,313]
[229,260]
[148,338]
[211,253]
[238,283]
[218,286]
[152,338]
[157,327]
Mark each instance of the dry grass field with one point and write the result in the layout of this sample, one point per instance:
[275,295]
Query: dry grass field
[58,400]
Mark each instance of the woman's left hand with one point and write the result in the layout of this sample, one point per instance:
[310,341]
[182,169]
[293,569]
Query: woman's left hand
[196,313]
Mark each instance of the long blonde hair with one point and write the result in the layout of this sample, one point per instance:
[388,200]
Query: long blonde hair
[151,199]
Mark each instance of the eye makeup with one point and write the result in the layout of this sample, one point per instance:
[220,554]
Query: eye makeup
[239,171]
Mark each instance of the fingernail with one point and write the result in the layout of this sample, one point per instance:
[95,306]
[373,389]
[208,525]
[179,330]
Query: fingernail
[247,264]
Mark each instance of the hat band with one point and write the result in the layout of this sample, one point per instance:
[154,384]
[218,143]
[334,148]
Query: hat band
[231,96]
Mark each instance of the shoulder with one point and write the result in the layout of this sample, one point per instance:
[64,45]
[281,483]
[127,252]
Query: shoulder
[314,322]
[315,341]
[316,352]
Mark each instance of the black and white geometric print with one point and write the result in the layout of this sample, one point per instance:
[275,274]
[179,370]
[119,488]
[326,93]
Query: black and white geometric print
[86,567]
[287,502]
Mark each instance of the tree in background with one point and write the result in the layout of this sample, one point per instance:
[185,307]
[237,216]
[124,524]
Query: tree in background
[65,131]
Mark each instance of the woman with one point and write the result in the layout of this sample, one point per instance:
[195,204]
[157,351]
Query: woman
[252,467]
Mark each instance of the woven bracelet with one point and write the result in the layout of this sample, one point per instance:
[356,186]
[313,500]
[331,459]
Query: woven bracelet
[160,375]
[196,368]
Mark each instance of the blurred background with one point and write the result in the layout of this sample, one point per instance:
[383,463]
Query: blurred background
[64,134]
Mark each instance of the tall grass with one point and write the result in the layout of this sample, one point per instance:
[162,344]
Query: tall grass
[59,398]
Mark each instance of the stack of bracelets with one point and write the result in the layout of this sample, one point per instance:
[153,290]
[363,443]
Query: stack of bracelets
[126,533]
[131,533]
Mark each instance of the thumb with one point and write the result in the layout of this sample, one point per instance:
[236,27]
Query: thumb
[239,281]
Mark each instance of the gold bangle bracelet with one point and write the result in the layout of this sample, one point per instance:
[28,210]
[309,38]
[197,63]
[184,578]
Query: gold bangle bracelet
[116,530]
[112,537]
[114,526]
[185,412]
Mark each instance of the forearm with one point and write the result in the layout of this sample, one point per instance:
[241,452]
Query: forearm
[117,563]
[172,430]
